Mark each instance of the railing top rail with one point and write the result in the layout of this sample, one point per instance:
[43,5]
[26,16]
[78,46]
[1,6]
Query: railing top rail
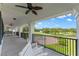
[72,38]
[57,36]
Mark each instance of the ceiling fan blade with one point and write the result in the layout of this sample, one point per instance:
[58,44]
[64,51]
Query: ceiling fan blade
[27,11]
[37,8]
[20,6]
[29,5]
[34,12]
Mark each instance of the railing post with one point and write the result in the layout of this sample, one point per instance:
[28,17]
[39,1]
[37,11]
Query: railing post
[43,40]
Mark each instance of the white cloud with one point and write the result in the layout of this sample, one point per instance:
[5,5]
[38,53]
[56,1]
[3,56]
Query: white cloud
[69,19]
[69,14]
[36,25]
[56,25]
[61,16]
[52,19]
[39,23]
[64,15]
[45,25]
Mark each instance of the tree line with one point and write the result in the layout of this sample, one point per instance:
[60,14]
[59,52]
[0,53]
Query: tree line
[56,30]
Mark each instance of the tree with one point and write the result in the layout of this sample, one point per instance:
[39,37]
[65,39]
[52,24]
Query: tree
[45,30]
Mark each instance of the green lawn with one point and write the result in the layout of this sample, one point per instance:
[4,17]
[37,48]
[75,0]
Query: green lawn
[67,50]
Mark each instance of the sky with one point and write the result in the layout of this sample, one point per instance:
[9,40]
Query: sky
[64,21]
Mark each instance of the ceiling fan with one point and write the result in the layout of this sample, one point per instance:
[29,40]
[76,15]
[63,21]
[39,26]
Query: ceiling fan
[30,8]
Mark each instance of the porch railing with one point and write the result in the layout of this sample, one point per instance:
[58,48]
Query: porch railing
[63,45]
[66,46]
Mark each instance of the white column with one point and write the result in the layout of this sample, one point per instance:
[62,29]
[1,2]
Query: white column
[30,32]
[31,29]
[19,32]
[13,32]
[77,34]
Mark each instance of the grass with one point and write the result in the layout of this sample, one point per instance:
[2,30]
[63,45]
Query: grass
[64,49]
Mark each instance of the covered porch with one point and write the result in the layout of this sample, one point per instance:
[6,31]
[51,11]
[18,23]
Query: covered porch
[13,44]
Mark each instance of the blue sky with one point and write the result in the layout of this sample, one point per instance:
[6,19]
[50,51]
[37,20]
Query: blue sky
[65,21]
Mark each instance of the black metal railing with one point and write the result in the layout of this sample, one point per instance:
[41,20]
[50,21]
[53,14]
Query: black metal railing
[65,46]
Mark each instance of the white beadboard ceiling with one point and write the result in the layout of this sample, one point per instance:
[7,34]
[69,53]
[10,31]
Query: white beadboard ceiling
[9,11]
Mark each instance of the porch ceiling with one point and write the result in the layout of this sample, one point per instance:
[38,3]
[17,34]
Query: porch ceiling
[9,11]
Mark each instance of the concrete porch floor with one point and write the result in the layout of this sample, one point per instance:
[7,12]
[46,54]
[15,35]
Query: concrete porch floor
[12,45]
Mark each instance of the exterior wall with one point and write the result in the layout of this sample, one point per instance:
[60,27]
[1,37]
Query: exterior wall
[1,28]
[1,32]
